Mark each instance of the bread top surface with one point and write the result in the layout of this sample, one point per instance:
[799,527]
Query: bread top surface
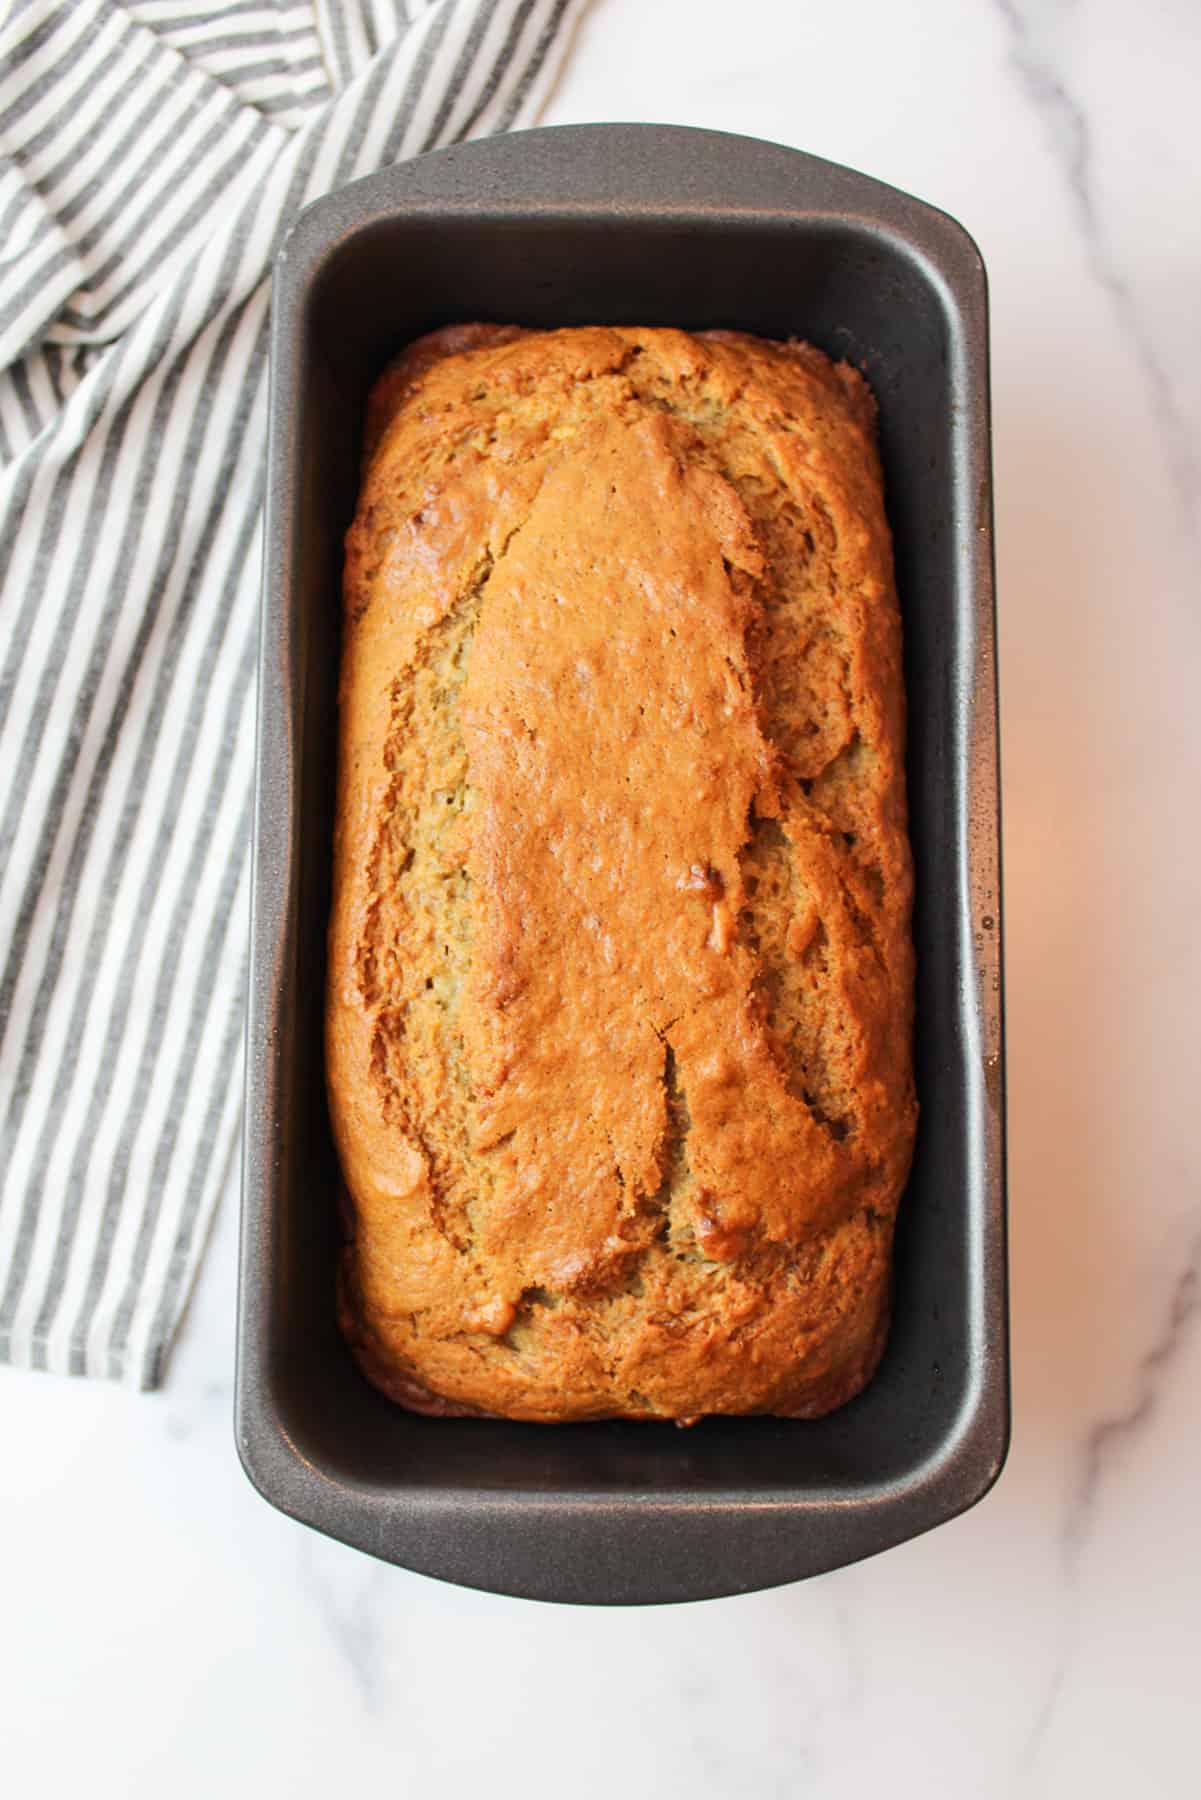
[619,1009]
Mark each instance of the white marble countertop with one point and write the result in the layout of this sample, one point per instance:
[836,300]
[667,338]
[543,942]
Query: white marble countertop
[165,1632]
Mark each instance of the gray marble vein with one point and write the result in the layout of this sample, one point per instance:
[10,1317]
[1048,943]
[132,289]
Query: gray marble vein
[347,1608]
[1105,1446]
[1109,1437]
[1046,88]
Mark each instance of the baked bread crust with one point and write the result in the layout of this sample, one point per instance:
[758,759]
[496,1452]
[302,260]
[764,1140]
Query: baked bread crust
[619,1011]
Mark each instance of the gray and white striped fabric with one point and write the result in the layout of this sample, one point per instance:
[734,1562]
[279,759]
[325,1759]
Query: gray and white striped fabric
[153,154]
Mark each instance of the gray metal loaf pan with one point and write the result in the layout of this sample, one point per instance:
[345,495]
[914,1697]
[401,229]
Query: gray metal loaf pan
[643,225]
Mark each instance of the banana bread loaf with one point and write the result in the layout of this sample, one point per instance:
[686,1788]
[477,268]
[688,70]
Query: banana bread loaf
[620,978]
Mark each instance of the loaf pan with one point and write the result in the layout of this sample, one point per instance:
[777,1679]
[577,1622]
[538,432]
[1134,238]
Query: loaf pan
[637,225]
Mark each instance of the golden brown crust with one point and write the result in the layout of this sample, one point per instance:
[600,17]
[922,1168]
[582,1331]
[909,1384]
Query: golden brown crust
[620,980]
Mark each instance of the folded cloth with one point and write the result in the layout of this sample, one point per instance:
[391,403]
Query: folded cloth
[154,154]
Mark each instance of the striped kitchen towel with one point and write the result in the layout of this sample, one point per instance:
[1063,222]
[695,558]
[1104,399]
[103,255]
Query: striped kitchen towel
[152,155]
